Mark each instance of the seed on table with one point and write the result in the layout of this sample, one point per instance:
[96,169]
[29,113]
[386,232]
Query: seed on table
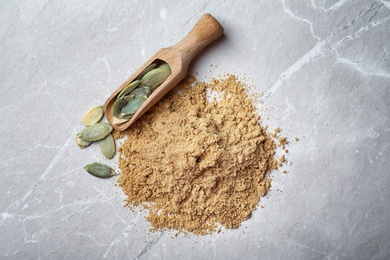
[93,115]
[107,146]
[95,132]
[99,170]
[81,143]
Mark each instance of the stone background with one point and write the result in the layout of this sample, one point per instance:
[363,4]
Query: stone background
[324,69]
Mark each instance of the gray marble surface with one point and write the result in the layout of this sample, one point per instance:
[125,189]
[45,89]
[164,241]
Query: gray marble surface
[324,68]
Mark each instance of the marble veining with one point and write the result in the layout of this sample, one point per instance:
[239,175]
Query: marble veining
[324,69]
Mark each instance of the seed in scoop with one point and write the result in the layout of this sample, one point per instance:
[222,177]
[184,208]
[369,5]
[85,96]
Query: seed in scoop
[146,70]
[128,89]
[155,77]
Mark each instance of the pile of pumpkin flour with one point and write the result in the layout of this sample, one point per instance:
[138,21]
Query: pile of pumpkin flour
[196,163]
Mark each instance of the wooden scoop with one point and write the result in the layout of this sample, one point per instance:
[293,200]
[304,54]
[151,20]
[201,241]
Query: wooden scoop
[178,57]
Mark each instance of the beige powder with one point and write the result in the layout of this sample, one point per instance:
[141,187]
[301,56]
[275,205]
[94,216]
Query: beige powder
[197,164]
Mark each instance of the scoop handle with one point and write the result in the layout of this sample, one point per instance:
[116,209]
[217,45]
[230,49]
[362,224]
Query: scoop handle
[205,31]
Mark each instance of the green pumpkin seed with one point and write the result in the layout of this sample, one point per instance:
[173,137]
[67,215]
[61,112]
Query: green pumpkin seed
[118,121]
[132,107]
[99,170]
[165,66]
[118,106]
[146,70]
[95,132]
[128,97]
[93,115]
[124,116]
[81,143]
[107,146]
[155,77]
[140,91]
[128,89]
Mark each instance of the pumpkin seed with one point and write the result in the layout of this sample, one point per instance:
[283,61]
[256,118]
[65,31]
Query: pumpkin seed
[95,132]
[99,170]
[132,107]
[165,66]
[107,146]
[81,143]
[140,91]
[131,98]
[128,97]
[128,89]
[118,106]
[118,121]
[155,77]
[146,70]
[93,115]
